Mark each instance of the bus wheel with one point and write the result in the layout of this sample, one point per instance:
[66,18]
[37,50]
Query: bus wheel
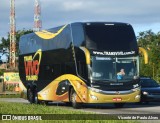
[30,95]
[119,105]
[75,104]
[36,100]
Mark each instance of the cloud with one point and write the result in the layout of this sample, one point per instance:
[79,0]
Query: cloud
[71,6]
[114,10]
[58,12]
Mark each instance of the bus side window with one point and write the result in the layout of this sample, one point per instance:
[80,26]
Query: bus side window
[63,87]
[82,69]
[56,70]
[70,68]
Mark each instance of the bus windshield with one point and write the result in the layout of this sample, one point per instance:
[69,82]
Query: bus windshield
[114,69]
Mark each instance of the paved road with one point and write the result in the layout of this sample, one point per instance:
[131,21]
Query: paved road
[151,108]
[14,100]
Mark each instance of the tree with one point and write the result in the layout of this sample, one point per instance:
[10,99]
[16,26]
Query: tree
[6,42]
[151,42]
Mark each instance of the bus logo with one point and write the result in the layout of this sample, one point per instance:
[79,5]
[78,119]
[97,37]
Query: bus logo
[32,66]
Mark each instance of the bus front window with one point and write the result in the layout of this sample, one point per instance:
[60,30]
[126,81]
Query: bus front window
[126,68]
[102,68]
[113,69]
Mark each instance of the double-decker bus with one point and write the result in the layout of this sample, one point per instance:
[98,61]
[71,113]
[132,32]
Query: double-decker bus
[83,62]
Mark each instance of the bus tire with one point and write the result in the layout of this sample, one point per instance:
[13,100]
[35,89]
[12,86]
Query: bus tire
[75,104]
[30,95]
[119,105]
[36,100]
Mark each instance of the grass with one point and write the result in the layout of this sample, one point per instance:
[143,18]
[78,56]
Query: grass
[10,96]
[52,111]
[20,108]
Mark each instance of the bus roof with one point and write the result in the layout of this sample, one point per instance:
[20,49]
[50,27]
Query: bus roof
[61,37]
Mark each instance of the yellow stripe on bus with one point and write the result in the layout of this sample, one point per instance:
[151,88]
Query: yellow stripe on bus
[49,92]
[48,35]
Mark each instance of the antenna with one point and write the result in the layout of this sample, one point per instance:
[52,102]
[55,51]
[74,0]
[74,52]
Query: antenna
[12,35]
[37,14]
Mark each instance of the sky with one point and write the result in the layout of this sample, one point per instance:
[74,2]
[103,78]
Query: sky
[141,14]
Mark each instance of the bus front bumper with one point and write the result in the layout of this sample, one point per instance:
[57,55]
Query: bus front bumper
[97,97]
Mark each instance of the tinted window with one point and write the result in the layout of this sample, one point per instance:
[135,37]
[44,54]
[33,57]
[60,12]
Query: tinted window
[30,43]
[149,83]
[82,69]
[78,34]
[70,68]
[62,87]
[104,68]
[117,37]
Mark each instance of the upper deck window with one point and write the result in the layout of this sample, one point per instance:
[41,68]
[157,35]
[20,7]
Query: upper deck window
[110,37]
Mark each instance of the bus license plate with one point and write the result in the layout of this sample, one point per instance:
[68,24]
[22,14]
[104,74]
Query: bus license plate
[117,99]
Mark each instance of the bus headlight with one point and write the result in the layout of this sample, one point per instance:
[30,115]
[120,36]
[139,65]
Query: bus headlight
[93,97]
[137,97]
[95,90]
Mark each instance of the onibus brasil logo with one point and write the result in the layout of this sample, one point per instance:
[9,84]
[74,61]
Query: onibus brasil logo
[32,65]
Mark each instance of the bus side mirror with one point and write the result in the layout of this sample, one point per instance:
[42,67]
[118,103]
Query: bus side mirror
[144,53]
